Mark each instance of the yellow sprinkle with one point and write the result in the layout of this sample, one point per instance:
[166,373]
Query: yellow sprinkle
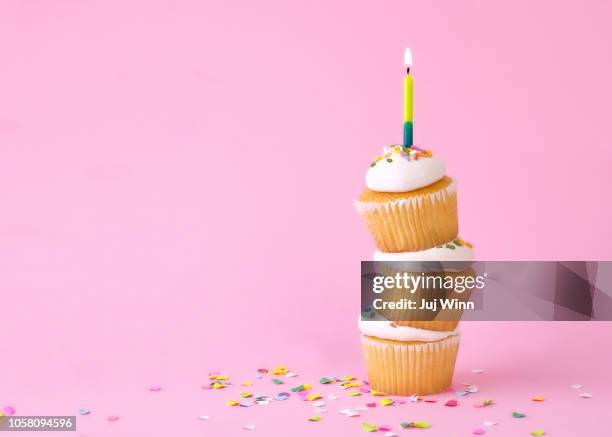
[537,398]
[232,403]
[246,394]
[351,384]
[313,396]
[470,245]
[280,370]
[378,158]
[386,401]
[218,385]
[348,378]
[306,387]
[354,393]
[247,383]
[315,418]
[377,393]
[219,377]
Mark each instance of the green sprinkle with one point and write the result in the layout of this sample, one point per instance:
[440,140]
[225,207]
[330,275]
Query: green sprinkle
[277,381]
[325,380]
[405,425]
[450,246]
[298,388]
[518,415]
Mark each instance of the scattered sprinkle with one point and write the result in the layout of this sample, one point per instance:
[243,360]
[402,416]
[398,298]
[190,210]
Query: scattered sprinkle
[277,381]
[326,380]
[301,387]
[280,370]
[313,396]
[538,432]
[371,404]
[386,401]
[315,419]
[246,394]
[479,431]
[518,415]
[586,395]
[112,418]
[484,403]
[155,388]
[369,427]
[537,398]
[319,404]
[423,425]
[576,386]
[353,393]
[489,423]
[247,383]
[377,393]
[333,397]
[232,403]
[205,417]
[451,403]
[282,396]
[390,434]
[249,427]
[83,411]
[291,375]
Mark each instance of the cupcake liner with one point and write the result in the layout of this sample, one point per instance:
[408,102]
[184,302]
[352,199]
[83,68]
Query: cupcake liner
[422,219]
[406,368]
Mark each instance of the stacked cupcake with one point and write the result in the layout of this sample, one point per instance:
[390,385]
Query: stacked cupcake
[410,208]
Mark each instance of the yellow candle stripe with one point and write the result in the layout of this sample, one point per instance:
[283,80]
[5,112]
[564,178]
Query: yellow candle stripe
[408,98]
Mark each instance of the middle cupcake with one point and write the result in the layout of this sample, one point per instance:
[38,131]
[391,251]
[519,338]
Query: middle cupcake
[409,204]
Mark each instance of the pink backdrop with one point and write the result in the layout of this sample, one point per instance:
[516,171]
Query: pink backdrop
[177,185]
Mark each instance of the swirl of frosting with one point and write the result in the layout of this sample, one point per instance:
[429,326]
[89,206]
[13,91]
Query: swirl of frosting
[402,169]
[389,331]
[456,250]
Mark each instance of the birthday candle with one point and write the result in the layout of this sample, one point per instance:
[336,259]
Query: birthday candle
[408,99]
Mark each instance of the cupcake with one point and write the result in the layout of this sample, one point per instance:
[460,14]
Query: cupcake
[403,361]
[409,204]
[450,260]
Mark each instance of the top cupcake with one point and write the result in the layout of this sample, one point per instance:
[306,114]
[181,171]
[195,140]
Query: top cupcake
[402,169]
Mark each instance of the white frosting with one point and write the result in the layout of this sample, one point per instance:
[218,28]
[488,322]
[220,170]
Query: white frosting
[384,329]
[439,253]
[411,202]
[401,172]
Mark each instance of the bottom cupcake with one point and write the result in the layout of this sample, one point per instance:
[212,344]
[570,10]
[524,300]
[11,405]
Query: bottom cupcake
[405,367]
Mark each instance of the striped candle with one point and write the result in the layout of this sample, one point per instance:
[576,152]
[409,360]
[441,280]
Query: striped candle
[408,99]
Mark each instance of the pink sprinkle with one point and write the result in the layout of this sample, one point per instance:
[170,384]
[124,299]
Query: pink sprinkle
[155,388]
[431,400]
[9,411]
[451,403]
[384,428]
[112,418]
[371,404]
[479,431]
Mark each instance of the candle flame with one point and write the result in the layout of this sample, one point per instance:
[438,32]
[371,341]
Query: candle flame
[408,58]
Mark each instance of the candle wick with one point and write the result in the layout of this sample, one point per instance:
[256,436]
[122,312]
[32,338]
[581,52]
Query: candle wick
[407,70]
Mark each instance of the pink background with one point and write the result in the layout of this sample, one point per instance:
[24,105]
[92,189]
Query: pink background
[177,185]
